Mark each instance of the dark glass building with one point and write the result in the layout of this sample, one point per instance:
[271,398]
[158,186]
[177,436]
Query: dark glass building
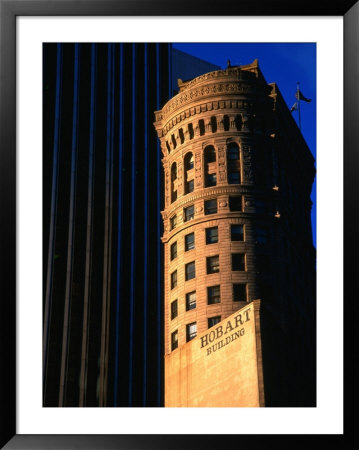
[102,254]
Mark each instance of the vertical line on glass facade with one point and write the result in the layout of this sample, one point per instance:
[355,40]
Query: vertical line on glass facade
[71,231]
[53,211]
[88,263]
[114,312]
[107,232]
[145,256]
[133,223]
[158,236]
[119,224]
[110,230]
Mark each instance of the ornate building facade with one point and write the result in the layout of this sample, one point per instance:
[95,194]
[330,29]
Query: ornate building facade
[238,177]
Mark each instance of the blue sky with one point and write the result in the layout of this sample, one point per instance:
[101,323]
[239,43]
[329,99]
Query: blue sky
[283,63]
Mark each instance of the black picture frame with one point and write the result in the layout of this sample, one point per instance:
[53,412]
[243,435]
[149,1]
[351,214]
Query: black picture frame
[9,10]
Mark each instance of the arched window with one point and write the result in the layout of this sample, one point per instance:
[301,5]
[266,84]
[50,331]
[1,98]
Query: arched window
[173,182]
[233,164]
[188,173]
[210,166]
[189,161]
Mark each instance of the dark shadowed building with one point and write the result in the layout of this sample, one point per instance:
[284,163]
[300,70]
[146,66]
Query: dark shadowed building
[102,254]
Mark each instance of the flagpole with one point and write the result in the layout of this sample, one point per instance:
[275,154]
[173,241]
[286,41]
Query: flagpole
[298,102]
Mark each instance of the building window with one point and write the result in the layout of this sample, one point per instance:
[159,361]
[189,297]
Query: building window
[211,179]
[237,233]
[213,321]
[191,331]
[235,203]
[190,186]
[210,154]
[233,152]
[173,251]
[188,173]
[173,182]
[190,131]
[213,264]
[181,135]
[173,279]
[173,222]
[190,300]
[174,309]
[213,295]
[233,164]
[189,213]
[261,235]
[174,340]
[210,206]
[238,261]
[213,124]
[211,235]
[240,292]
[210,169]
[190,270]
[189,162]
[226,122]
[189,242]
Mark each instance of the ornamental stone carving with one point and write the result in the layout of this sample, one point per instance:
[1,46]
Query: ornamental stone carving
[198,169]
[179,177]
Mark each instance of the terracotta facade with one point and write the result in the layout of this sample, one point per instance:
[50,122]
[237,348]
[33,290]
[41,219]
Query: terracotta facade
[209,133]
[237,180]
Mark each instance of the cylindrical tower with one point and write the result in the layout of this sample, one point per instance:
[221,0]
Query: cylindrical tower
[213,134]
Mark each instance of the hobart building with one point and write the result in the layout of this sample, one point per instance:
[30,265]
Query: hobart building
[239,262]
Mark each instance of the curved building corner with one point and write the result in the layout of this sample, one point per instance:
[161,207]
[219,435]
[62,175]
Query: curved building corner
[237,183]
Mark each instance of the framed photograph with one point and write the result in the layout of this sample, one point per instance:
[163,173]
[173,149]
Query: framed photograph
[95,99]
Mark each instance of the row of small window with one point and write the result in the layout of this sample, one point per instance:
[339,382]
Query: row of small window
[237,234]
[191,331]
[210,207]
[233,149]
[213,297]
[238,264]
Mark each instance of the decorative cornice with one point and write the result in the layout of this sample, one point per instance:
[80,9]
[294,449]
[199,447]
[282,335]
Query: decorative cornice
[188,199]
[237,72]
[230,216]
[204,92]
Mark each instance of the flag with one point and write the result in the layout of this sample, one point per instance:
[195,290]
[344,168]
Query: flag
[294,107]
[300,96]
